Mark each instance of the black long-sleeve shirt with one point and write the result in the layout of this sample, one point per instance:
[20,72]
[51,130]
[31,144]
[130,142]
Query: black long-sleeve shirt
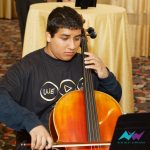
[31,87]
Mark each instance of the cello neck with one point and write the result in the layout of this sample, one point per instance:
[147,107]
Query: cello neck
[91,113]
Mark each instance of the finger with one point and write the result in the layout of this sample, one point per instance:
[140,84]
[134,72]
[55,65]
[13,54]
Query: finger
[43,143]
[38,142]
[88,53]
[91,67]
[89,56]
[92,62]
[96,59]
[89,61]
[33,141]
[49,143]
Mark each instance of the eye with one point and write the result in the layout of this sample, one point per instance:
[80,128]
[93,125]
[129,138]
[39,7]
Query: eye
[78,38]
[64,38]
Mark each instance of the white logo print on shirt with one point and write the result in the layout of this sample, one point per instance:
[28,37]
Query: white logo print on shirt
[49,91]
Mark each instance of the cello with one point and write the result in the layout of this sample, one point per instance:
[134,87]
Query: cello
[84,119]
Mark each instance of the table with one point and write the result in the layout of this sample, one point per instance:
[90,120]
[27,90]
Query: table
[110,44]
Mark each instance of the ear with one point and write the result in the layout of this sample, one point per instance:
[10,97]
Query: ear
[48,37]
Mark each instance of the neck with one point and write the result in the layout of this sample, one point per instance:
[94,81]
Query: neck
[48,52]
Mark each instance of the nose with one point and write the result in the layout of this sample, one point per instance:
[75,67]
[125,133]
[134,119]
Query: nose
[72,44]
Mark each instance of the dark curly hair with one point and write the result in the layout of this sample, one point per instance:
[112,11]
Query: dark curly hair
[64,17]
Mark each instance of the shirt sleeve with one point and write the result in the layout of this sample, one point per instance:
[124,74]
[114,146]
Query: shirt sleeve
[12,113]
[15,116]
[109,85]
[14,80]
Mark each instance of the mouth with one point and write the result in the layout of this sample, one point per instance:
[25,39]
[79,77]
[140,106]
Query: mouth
[69,53]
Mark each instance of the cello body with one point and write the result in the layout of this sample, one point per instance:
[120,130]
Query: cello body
[68,121]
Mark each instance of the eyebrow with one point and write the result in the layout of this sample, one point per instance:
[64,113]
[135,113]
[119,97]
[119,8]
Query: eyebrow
[69,35]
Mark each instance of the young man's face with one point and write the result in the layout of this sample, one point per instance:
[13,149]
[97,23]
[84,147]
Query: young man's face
[64,44]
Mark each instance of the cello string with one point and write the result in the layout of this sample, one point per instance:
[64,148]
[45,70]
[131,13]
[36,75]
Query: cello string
[96,124]
[91,110]
[85,93]
[94,111]
[91,99]
[84,48]
[87,96]
[93,127]
[96,127]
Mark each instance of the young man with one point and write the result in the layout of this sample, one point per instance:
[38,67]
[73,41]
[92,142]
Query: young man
[31,87]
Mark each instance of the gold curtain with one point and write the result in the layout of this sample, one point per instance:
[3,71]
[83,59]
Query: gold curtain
[138,12]
[7,9]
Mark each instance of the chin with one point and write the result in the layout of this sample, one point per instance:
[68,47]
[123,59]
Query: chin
[68,58]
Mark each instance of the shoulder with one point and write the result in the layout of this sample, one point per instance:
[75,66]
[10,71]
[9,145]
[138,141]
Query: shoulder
[26,63]
[33,56]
